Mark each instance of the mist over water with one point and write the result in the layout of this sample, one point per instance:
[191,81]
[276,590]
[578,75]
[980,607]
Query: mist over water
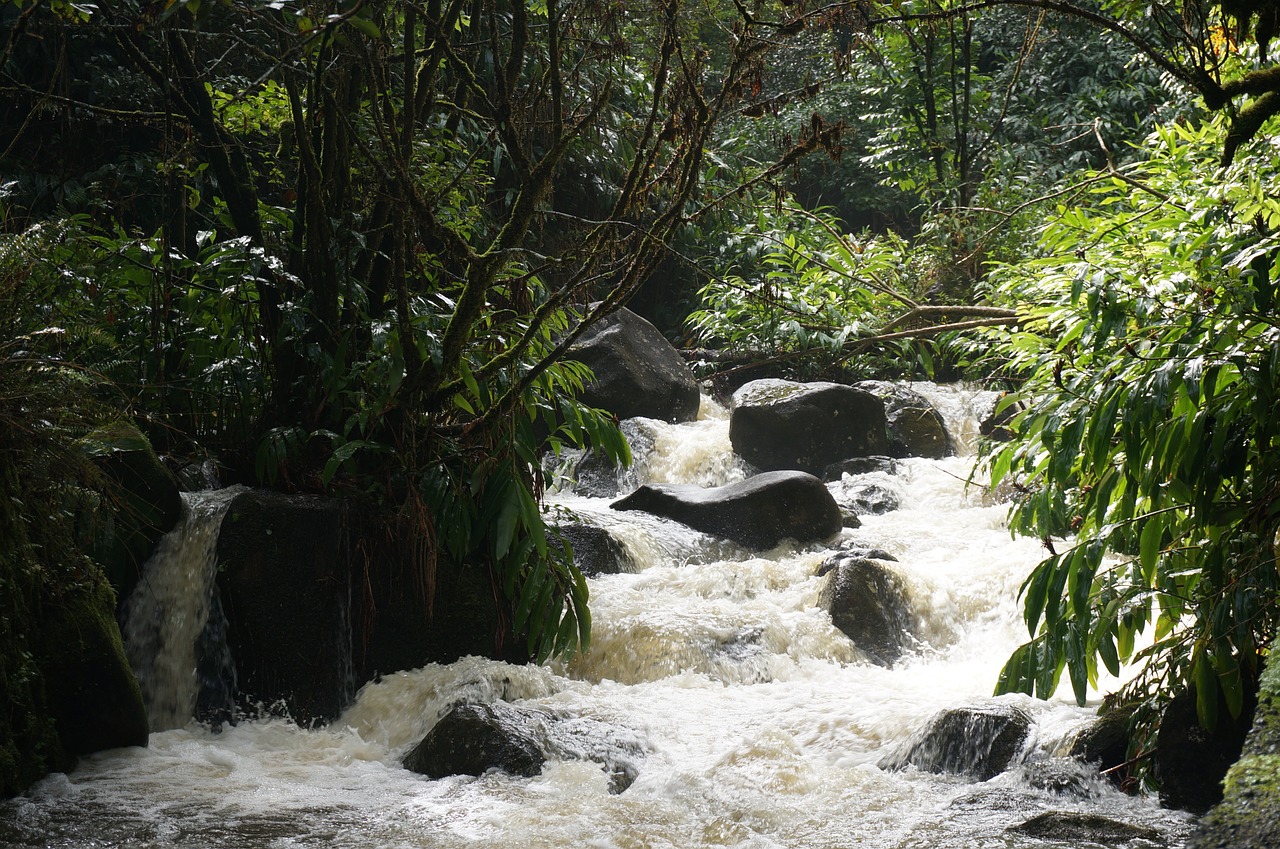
[758,723]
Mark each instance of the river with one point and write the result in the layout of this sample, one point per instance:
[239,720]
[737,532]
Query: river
[752,720]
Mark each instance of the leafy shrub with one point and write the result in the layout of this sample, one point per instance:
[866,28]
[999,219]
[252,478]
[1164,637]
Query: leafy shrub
[1151,426]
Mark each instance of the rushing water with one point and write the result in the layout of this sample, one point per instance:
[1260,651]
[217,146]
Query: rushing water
[169,610]
[757,723]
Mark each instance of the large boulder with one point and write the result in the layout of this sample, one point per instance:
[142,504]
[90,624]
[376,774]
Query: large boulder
[916,428]
[320,597]
[868,602]
[980,741]
[143,504]
[757,513]
[782,424]
[283,584]
[473,738]
[637,371]
[1249,815]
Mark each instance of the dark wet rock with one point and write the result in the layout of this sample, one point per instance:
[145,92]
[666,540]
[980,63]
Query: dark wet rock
[855,548]
[90,689]
[1190,762]
[980,741]
[121,534]
[916,429]
[1073,827]
[637,371]
[319,598]
[757,513]
[595,550]
[781,424]
[1104,743]
[860,466]
[868,603]
[283,585]
[849,519]
[473,738]
[1249,814]
[864,498]
[997,799]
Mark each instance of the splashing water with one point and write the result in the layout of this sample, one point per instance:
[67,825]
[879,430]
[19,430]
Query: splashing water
[169,610]
[759,724]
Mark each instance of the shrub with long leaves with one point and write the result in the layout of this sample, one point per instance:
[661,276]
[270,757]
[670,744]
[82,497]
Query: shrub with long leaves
[1152,427]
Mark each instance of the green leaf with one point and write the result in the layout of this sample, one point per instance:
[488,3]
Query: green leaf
[1149,546]
[340,455]
[366,26]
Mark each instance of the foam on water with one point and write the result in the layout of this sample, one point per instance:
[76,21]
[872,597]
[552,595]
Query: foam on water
[758,723]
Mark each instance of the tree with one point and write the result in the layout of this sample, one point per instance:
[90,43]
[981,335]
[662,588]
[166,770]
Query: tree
[377,190]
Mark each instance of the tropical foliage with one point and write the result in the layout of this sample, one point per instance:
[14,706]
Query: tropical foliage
[1152,425]
[345,247]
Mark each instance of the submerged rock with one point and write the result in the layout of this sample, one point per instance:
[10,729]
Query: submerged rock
[1063,777]
[782,424]
[868,602]
[637,371]
[473,738]
[980,741]
[758,513]
[1073,826]
[595,550]
[916,429]
[860,466]
[864,498]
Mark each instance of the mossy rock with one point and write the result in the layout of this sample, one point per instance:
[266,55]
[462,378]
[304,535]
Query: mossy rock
[142,505]
[92,693]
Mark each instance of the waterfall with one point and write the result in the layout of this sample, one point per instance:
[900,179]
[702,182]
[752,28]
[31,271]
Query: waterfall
[748,718]
[168,614]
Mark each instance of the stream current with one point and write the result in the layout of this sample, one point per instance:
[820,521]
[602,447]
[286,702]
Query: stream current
[757,723]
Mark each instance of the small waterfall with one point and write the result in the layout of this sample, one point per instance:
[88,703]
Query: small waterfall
[169,611]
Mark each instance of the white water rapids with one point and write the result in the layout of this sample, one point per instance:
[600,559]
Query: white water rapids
[759,722]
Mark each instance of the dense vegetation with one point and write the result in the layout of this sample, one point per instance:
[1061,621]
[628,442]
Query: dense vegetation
[343,246]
